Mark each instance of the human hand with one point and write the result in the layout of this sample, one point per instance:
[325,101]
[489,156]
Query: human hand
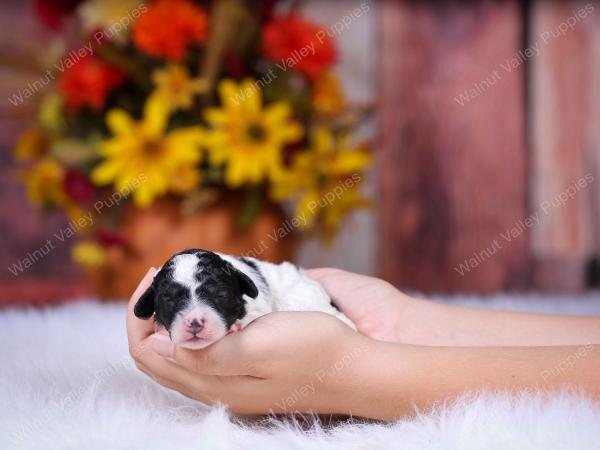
[282,362]
[308,361]
[377,308]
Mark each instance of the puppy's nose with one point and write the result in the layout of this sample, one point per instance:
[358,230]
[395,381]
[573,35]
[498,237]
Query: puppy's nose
[196,325]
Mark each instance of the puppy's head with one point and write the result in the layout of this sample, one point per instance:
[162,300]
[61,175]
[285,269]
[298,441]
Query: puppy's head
[197,296]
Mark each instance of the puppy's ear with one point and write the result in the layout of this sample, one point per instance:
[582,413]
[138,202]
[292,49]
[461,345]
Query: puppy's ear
[144,308]
[246,284]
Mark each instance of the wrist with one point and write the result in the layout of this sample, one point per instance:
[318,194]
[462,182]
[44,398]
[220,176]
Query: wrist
[347,374]
[424,322]
[375,386]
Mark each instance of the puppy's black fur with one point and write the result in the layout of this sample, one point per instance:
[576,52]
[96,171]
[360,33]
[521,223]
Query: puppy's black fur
[220,286]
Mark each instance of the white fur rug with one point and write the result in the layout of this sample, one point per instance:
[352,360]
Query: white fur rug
[67,383]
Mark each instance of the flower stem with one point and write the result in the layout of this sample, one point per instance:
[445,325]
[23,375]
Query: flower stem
[251,208]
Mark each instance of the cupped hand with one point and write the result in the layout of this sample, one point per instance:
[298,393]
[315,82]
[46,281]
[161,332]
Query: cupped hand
[378,309]
[282,362]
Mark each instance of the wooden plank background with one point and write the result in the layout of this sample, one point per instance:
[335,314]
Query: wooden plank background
[565,113]
[23,228]
[453,178]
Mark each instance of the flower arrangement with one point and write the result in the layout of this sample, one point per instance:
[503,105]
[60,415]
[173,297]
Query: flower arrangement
[177,98]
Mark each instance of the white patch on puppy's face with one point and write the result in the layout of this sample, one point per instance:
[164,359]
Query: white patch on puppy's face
[185,270]
[197,327]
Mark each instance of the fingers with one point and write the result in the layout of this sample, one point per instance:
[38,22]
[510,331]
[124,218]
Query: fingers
[138,329]
[328,278]
[171,375]
[228,357]
[187,388]
[206,388]
[156,365]
[182,389]
[319,273]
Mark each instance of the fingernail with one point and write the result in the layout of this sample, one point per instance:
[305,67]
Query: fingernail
[162,345]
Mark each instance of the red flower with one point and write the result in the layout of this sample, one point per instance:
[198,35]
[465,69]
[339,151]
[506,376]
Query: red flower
[53,12]
[88,83]
[169,27]
[234,65]
[78,187]
[266,9]
[302,45]
[109,238]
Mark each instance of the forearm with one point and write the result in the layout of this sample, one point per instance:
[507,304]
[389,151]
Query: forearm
[430,323]
[395,378]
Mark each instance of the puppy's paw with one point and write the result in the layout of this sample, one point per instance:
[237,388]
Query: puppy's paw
[237,326]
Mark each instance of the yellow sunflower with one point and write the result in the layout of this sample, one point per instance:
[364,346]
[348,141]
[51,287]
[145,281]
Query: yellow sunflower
[44,183]
[175,87]
[349,199]
[51,113]
[325,180]
[143,150]
[246,136]
[89,254]
[188,177]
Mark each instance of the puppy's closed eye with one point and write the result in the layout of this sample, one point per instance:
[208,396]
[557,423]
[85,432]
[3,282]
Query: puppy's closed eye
[168,302]
[173,296]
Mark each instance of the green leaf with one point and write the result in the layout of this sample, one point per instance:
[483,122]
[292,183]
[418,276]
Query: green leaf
[251,208]
[75,152]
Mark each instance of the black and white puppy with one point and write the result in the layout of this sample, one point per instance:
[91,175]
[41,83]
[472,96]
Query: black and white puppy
[199,296]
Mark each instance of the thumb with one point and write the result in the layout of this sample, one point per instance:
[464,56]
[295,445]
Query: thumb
[228,356]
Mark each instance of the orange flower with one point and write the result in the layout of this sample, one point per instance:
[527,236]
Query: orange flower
[168,27]
[298,44]
[88,83]
[31,145]
[328,96]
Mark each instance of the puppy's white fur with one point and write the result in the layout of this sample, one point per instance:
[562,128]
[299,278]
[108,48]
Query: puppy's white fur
[286,289]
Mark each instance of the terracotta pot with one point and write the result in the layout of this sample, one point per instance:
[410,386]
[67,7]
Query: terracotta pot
[158,232]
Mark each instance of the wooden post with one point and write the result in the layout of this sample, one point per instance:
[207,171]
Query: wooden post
[565,114]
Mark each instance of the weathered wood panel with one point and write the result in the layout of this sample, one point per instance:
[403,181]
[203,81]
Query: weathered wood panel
[453,164]
[565,118]
[23,229]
